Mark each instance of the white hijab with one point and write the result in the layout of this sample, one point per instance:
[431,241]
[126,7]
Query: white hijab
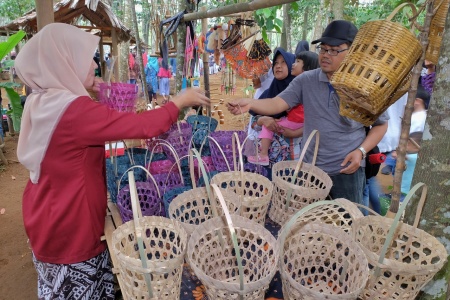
[54,64]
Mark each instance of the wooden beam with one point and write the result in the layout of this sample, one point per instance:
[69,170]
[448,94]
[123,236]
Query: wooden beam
[234,8]
[95,27]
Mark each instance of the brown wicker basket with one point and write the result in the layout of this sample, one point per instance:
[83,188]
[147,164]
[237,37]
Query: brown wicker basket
[366,118]
[437,30]
[320,261]
[402,257]
[150,251]
[234,257]
[297,184]
[381,56]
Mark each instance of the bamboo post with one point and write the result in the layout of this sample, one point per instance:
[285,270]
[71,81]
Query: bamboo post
[205,63]
[115,53]
[406,121]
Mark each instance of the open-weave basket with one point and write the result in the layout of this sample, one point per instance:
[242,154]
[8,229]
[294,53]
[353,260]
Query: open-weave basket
[380,57]
[321,261]
[354,112]
[221,149]
[297,184]
[235,258]
[436,33]
[150,252]
[202,126]
[119,96]
[254,190]
[338,212]
[193,207]
[402,258]
[179,137]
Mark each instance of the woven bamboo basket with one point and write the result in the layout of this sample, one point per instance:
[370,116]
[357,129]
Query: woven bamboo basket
[150,252]
[381,56]
[297,184]
[437,30]
[235,258]
[339,212]
[318,260]
[254,190]
[195,206]
[365,117]
[402,258]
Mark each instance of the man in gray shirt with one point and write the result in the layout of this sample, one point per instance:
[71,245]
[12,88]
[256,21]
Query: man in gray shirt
[343,142]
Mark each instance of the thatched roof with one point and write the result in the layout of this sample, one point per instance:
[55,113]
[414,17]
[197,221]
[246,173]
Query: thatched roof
[98,13]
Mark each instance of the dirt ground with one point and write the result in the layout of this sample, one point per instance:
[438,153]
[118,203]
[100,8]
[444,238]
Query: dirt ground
[17,274]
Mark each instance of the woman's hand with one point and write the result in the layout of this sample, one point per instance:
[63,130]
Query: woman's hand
[239,106]
[191,97]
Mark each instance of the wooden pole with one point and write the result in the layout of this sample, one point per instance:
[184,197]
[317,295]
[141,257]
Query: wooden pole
[44,13]
[205,62]
[115,54]
[234,8]
[406,121]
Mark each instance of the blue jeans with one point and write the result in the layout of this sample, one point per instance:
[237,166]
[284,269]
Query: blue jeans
[349,186]
[371,194]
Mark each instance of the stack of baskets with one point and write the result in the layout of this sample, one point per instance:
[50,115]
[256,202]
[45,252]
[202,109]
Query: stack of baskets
[375,72]
[297,184]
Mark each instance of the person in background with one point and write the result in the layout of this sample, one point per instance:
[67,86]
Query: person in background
[301,46]
[412,150]
[151,76]
[304,61]
[133,68]
[64,212]
[108,61]
[428,76]
[343,141]
[164,76]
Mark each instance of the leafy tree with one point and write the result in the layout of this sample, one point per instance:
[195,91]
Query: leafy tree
[12,9]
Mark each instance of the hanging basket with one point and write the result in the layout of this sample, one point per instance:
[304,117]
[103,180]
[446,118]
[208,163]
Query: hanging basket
[381,56]
[436,33]
[150,252]
[354,112]
[234,258]
[402,258]
[119,96]
[297,184]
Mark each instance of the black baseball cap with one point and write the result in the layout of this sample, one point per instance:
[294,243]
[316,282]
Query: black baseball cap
[337,33]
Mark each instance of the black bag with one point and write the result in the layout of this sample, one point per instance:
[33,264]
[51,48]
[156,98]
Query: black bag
[372,169]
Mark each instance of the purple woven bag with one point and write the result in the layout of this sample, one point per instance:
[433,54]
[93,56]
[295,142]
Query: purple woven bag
[119,96]
[179,137]
[151,203]
[224,139]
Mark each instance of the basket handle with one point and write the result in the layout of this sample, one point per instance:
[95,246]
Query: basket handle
[300,163]
[233,238]
[201,168]
[149,175]
[221,151]
[401,6]
[137,213]
[174,153]
[396,221]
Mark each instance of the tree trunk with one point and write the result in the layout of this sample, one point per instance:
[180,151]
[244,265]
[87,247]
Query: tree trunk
[305,23]
[318,28]
[286,35]
[125,46]
[338,9]
[44,13]
[433,169]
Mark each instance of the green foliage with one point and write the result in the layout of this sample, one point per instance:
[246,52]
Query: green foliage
[12,9]
[16,107]
[12,41]
[9,84]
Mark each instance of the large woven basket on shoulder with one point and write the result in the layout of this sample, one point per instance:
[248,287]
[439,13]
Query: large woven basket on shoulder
[437,27]
[402,258]
[150,252]
[297,184]
[318,260]
[380,57]
[234,257]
